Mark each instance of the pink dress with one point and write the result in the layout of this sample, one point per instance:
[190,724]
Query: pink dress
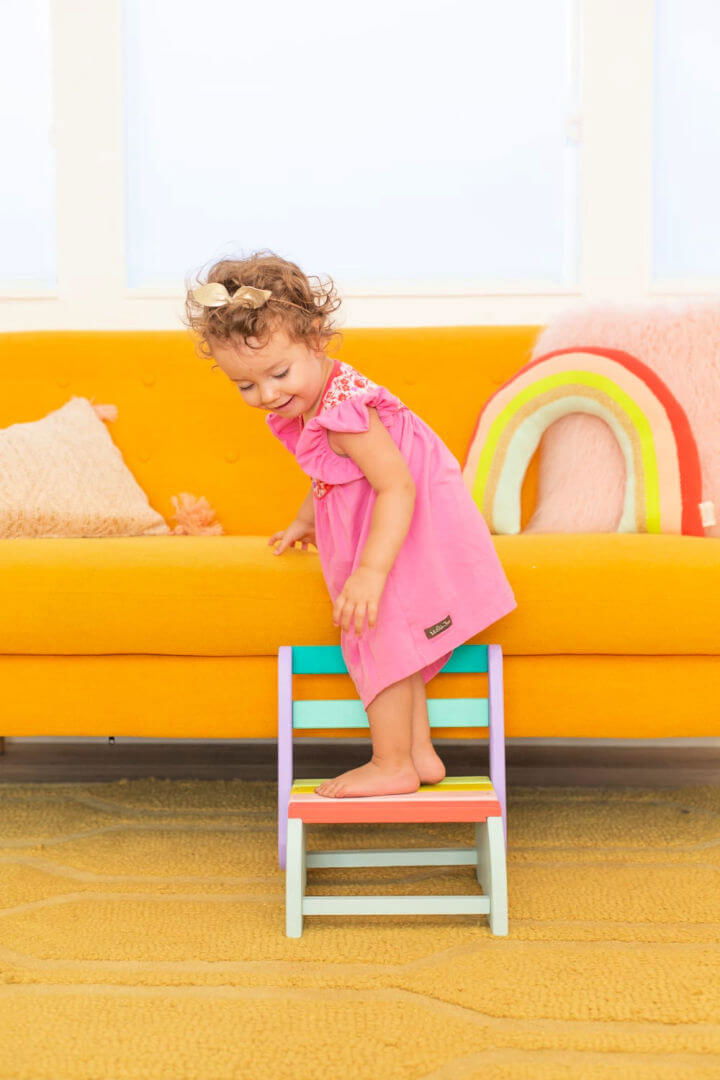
[446,584]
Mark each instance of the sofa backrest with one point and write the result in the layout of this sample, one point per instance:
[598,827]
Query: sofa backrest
[183,427]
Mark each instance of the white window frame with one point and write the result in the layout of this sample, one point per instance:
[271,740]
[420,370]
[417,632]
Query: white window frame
[612,122]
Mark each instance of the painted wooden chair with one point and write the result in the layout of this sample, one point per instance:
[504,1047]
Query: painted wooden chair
[478,799]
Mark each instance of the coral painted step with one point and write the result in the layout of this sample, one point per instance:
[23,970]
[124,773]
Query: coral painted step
[456,798]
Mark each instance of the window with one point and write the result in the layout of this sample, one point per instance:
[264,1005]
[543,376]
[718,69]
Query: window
[27,178]
[686,166]
[420,143]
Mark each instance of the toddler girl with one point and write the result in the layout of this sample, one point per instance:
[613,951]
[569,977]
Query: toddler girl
[405,552]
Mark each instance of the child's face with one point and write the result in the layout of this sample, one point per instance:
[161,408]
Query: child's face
[269,377]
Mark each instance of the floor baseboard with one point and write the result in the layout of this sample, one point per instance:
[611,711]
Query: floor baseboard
[584,762]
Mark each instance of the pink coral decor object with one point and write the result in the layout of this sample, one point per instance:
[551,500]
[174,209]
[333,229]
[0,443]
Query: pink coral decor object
[194,516]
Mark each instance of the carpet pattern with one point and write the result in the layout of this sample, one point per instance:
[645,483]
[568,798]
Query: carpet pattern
[142,938]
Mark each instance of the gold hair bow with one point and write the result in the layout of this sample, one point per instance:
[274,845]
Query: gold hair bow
[214,294]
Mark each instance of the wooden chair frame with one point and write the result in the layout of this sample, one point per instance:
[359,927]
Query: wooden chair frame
[487,854]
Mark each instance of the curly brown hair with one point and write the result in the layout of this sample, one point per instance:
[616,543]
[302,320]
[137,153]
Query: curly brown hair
[296,306]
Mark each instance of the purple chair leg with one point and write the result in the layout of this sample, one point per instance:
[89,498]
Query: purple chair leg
[285,746]
[497,728]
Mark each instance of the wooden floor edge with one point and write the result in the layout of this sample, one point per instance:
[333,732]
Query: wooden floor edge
[663,763]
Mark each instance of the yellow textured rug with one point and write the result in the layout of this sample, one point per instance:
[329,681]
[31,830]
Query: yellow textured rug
[142,938]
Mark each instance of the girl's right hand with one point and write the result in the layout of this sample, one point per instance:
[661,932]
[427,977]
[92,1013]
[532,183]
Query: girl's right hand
[298,530]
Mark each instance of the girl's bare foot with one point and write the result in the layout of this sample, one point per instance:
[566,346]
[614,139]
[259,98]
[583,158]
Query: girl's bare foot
[429,766]
[371,779]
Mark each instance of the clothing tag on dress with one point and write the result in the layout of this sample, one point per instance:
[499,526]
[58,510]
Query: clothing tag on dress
[438,627]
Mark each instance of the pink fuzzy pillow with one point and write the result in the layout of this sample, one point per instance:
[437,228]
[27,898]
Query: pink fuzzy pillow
[581,476]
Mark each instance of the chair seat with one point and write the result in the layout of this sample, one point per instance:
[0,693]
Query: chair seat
[456,798]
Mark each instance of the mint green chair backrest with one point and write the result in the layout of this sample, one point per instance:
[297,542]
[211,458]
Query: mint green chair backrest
[339,714]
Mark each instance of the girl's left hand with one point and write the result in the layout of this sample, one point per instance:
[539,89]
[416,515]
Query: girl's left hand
[360,594]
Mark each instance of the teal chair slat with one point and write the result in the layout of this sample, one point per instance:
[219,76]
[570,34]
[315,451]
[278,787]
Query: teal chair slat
[442,712]
[328,660]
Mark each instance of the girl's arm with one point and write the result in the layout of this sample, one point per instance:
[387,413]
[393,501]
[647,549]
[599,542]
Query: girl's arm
[389,524]
[387,471]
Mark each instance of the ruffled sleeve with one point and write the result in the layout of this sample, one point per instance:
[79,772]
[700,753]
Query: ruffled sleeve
[314,454]
[286,429]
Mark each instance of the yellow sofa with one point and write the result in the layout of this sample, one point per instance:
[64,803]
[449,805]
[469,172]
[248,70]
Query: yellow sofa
[177,636]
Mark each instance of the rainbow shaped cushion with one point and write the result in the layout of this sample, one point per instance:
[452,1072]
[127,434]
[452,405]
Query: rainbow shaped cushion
[663,488]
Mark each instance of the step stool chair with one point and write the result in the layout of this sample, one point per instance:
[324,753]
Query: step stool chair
[479,799]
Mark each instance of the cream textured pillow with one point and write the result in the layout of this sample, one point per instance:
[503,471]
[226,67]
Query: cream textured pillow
[64,476]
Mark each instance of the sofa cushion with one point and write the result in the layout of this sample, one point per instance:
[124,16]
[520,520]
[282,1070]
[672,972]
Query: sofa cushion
[183,427]
[230,596]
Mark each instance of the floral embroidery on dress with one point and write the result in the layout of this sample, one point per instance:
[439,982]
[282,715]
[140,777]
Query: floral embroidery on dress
[320,488]
[347,383]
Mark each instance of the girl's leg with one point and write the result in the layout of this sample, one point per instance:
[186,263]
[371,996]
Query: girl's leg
[428,765]
[421,737]
[390,770]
